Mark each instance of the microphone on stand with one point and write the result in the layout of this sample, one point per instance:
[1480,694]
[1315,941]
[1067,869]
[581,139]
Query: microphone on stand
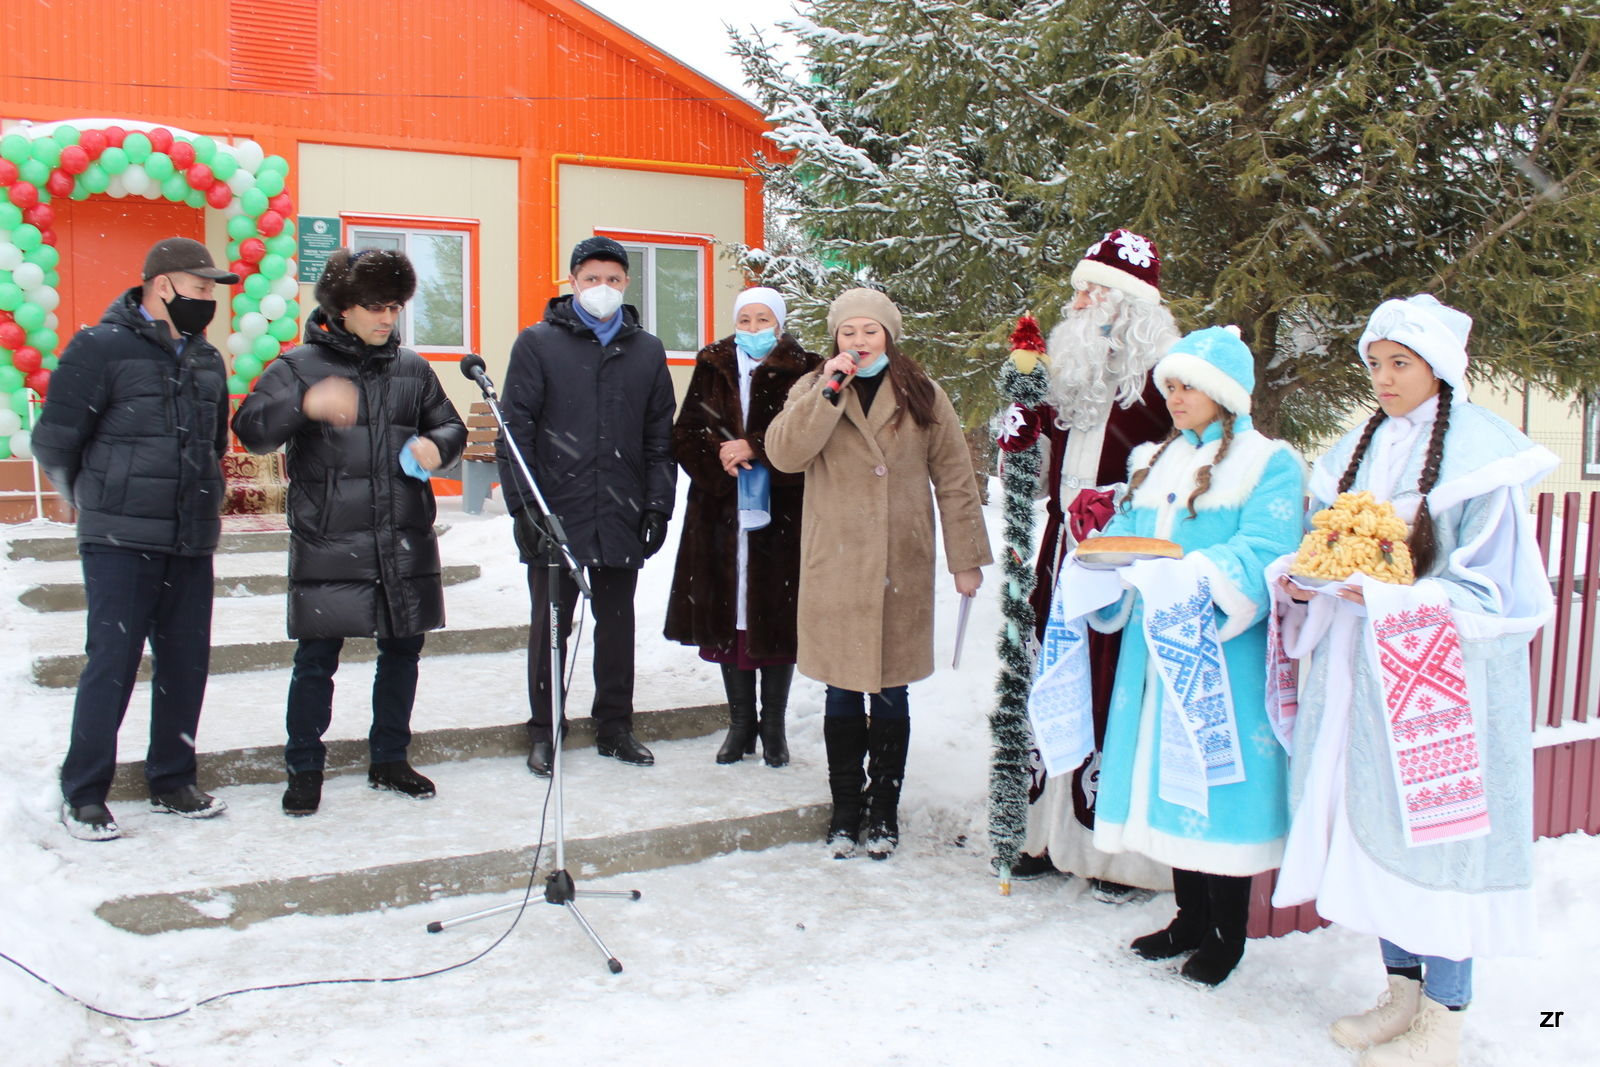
[474,369]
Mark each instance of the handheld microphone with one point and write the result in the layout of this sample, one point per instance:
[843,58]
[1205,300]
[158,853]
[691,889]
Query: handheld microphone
[474,369]
[833,389]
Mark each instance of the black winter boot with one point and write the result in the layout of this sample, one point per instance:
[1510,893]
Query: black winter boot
[774,703]
[1186,931]
[887,741]
[304,794]
[1223,945]
[845,737]
[741,740]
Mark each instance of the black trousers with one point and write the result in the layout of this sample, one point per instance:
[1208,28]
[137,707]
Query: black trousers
[613,646]
[394,691]
[134,596]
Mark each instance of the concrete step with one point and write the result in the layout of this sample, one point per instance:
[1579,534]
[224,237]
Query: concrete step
[61,672]
[69,596]
[264,763]
[54,549]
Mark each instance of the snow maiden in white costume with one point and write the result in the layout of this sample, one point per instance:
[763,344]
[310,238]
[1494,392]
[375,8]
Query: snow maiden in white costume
[1419,693]
[1191,774]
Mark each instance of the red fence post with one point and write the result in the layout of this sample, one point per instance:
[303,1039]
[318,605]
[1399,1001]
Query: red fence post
[1544,516]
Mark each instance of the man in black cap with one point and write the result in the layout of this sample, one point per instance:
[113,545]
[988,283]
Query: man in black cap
[132,434]
[588,400]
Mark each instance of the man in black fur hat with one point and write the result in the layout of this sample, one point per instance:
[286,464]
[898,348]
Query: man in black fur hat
[365,421]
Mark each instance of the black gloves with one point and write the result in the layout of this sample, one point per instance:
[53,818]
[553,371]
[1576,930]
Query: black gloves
[652,532]
[530,538]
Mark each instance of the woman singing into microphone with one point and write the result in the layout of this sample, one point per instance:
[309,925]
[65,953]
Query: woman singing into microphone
[874,464]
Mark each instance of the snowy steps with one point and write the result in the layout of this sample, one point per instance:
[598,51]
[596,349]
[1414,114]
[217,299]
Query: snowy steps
[57,549]
[68,596]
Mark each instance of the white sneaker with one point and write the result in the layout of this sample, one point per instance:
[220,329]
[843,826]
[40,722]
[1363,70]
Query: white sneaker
[1432,1040]
[1385,1021]
[90,822]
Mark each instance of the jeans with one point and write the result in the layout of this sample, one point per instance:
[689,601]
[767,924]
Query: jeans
[891,703]
[394,691]
[1447,981]
[613,589]
[132,596]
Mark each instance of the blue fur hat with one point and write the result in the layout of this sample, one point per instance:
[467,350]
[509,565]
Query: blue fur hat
[1214,361]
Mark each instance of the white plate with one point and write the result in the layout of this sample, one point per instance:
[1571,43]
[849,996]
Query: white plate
[1305,581]
[1110,561]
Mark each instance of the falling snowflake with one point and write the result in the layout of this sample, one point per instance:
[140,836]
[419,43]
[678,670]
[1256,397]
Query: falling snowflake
[1135,249]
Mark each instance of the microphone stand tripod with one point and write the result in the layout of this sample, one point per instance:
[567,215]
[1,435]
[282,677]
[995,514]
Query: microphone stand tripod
[559,887]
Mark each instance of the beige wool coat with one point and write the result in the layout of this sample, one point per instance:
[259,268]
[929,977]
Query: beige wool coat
[866,550]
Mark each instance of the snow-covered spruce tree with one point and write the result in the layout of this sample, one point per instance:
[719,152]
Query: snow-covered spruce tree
[1296,162]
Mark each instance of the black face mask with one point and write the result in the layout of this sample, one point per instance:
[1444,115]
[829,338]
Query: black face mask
[189,315]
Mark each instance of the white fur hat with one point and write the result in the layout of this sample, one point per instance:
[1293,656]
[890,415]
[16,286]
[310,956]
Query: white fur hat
[761,294]
[1432,330]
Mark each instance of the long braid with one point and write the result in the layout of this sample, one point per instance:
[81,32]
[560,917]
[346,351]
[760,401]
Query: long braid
[1144,472]
[1423,542]
[1202,477]
[1361,450]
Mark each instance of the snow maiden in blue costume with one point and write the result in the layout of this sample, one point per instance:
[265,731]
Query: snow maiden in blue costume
[1433,855]
[1191,773]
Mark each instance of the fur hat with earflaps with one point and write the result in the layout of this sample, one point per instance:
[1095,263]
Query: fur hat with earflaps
[370,276]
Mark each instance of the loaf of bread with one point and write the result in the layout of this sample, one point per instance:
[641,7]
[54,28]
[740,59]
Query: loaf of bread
[1143,546]
[1356,533]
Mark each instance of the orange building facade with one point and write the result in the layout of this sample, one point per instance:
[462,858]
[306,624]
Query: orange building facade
[482,137]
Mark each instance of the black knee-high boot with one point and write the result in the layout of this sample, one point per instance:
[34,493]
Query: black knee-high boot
[846,739]
[1223,945]
[774,704]
[1188,928]
[887,741]
[741,689]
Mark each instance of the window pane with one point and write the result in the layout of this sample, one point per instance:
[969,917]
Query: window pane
[678,298]
[438,313]
[389,242]
[638,268]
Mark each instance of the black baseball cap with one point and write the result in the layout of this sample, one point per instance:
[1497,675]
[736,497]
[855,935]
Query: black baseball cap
[598,248]
[182,254]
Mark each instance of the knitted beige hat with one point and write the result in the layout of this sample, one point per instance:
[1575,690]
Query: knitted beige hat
[867,304]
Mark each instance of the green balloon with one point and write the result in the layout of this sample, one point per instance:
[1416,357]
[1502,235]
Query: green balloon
[272,165]
[50,362]
[265,347]
[114,160]
[29,316]
[10,381]
[258,286]
[204,148]
[288,229]
[284,329]
[253,202]
[52,278]
[269,184]
[23,406]
[78,192]
[291,310]
[243,304]
[223,165]
[11,297]
[95,179]
[159,166]
[233,250]
[5,448]
[195,198]
[10,215]
[5,356]
[241,227]
[46,151]
[175,188]
[238,386]
[66,135]
[45,256]
[247,367]
[45,340]
[138,147]
[37,174]
[16,148]
[272,266]
[281,246]
[26,236]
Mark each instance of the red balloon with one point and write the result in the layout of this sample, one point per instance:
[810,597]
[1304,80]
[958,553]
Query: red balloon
[115,136]
[24,195]
[219,195]
[252,249]
[160,139]
[182,153]
[41,215]
[74,160]
[8,172]
[38,381]
[60,183]
[270,224]
[200,177]
[27,359]
[241,268]
[282,205]
[92,142]
[48,236]
[12,336]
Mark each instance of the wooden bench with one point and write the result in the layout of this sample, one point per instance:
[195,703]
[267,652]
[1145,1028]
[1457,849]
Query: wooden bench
[479,471]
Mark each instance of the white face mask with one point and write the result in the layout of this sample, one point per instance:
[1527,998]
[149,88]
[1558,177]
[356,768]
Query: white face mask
[601,301]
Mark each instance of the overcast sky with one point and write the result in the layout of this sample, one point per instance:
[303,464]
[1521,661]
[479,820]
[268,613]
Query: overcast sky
[694,32]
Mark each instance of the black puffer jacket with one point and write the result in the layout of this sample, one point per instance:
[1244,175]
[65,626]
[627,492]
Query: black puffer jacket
[363,559]
[595,425]
[133,432]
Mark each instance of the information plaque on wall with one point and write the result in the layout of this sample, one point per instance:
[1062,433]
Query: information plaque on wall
[319,237]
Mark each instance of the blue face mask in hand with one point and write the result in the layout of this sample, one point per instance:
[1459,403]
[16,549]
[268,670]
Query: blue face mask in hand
[756,345]
[873,369]
[409,463]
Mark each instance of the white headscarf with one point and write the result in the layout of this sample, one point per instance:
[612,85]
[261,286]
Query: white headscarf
[763,295]
[1432,330]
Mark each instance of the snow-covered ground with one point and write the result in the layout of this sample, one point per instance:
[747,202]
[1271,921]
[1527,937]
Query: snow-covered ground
[777,957]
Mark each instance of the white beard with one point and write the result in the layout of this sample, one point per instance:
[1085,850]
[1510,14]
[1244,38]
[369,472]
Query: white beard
[1096,358]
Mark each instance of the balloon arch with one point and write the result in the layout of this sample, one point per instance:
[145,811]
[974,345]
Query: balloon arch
[80,159]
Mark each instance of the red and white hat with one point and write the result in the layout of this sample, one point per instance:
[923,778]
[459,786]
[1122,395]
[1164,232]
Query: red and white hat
[1122,260]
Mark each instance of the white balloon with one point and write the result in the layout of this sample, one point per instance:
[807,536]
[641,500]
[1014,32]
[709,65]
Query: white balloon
[10,422]
[28,276]
[286,287]
[238,344]
[241,182]
[115,187]
[10,256]
[154,192]
[273,306]
[233,208]
[250,154]
[135,179]
[291,269]
[46,297]
[22,445]
[252,324]
[52,322]
[5,237]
